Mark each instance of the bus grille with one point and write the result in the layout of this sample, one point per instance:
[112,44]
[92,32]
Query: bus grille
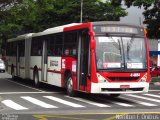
[123,78]
[121,89]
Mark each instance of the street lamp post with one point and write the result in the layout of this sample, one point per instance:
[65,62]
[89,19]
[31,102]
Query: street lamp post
[81,11]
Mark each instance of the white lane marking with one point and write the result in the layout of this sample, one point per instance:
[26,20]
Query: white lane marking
[154,90]
[118,103]
[25,86]
[13,105]
[7,93]
[63,101]
[38,102]
[139,102]
[123,104]
[89,102]
[146,98]
[152,95]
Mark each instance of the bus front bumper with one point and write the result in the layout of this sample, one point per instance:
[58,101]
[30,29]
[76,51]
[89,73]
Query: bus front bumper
[118,88]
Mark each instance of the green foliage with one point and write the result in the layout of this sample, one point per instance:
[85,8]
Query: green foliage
[25,16]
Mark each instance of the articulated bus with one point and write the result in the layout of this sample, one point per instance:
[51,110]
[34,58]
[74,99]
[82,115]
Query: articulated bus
[95,57]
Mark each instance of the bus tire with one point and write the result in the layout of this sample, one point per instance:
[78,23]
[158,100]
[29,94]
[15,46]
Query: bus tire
[69,86]
[114,95]
[36,78]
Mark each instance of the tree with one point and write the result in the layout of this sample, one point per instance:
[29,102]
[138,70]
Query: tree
[151,14]
[59,12]
[24,16]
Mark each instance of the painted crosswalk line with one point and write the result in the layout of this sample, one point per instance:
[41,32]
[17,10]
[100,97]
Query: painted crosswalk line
[13,105]
[152,95]
[126,100]
[139,102]
[89,102]
[146,98]
[38,102]
[63,101]
[116,102]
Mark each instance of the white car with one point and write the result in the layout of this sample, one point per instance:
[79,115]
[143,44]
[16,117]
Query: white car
[2,66]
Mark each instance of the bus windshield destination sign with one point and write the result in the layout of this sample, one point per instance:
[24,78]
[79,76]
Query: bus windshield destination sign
[118,29]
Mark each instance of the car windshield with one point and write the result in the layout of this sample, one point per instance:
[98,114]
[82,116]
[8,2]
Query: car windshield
[120,52]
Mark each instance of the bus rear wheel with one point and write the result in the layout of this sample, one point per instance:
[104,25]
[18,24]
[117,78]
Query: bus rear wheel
[36,79]
[70,89]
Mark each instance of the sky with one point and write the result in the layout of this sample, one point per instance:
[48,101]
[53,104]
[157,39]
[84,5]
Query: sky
[134,16]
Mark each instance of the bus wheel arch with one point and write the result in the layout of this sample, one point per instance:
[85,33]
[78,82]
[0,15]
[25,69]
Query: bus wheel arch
[36,76]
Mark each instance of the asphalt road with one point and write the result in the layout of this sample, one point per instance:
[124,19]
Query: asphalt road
[20,100]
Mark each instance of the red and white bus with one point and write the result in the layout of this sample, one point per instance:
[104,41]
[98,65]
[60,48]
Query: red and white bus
[94,57]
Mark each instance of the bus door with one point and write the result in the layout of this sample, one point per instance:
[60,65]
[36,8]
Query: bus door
[83,60]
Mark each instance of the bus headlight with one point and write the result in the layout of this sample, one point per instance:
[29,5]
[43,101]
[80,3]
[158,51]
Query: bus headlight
[101,79]
[144,78]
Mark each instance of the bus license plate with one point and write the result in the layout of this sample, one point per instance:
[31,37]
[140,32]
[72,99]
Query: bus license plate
[124,86]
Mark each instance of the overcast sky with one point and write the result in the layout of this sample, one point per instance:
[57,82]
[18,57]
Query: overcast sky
[134,16]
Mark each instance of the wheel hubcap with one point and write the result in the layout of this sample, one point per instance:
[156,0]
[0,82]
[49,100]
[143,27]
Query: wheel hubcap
[70,85]
[36,80]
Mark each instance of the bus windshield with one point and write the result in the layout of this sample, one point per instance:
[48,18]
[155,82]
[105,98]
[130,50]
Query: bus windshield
[120,53]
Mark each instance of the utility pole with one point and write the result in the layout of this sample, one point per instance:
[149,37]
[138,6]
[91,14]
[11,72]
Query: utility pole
[81,11]
[140,21]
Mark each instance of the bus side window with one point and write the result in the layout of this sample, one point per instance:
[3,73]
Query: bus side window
[58,44]
[51,52]
[37,46]
[51,45]
[39,51]
[67,52]
[70,42]
[58,51]
[74,52]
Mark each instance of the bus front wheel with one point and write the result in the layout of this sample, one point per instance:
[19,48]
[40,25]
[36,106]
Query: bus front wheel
[70,89]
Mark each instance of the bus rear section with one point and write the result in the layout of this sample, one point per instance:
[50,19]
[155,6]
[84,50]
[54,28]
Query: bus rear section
[122,59]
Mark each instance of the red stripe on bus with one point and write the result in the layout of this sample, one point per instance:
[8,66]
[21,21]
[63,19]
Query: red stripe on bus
[85,25]
[54,71]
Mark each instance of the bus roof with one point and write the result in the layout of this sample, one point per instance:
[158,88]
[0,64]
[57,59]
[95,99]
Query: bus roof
[20,37]
[57,29]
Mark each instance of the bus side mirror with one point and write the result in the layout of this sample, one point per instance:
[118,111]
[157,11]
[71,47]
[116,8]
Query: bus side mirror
[93,44]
